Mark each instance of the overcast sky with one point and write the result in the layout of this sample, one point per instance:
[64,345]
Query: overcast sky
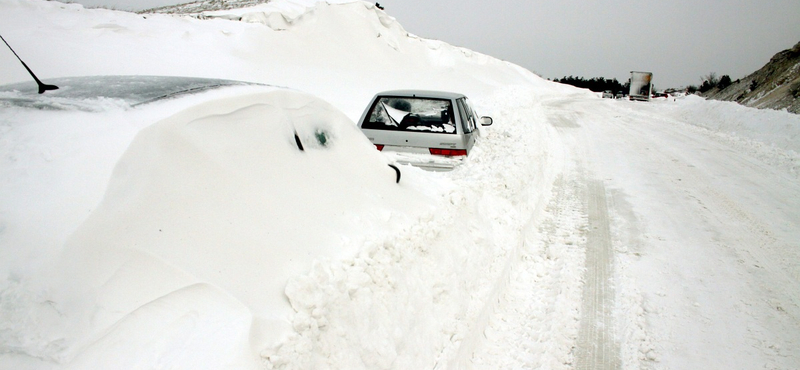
[678,40]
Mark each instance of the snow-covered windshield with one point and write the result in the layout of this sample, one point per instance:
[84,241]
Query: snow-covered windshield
[92,92]
[411,114]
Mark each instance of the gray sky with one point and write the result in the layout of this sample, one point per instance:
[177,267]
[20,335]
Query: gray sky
[678,40]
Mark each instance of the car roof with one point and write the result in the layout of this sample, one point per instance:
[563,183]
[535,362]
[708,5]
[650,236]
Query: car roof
[78,92]
[422,94]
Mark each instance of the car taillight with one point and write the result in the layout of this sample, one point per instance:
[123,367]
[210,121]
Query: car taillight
[448,152]
[379,147]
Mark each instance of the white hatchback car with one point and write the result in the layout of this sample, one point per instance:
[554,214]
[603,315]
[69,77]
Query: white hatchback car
[429,129]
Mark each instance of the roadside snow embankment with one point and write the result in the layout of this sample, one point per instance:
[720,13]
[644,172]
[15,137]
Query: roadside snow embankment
[773,128]
[769,135]
[422,297]
[215,227]
[342,53]
[211,212]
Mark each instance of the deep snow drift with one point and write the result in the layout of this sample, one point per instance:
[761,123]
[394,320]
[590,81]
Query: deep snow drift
[144,260]
[221,196]
[193,233]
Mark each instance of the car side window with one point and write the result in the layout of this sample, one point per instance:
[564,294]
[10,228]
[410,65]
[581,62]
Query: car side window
[467,117]
[462,112]
[473,118]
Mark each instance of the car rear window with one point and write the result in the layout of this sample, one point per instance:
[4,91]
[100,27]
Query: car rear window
[411,114]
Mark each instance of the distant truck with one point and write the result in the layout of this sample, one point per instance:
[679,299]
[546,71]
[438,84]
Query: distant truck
[641,86]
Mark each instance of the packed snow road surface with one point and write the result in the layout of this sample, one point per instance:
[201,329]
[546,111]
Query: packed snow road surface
[704,237]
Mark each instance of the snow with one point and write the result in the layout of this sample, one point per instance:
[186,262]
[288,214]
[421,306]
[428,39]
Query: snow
[191,232]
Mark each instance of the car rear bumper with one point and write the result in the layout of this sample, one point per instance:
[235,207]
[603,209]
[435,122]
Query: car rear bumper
[425,161]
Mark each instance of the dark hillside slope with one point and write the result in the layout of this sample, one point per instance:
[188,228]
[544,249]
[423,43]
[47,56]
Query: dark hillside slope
[774,86]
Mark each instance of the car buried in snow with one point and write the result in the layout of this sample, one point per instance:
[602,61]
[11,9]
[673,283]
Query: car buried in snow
[433,130]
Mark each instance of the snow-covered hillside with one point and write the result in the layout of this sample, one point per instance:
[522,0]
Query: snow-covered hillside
[343,53]
[193,233]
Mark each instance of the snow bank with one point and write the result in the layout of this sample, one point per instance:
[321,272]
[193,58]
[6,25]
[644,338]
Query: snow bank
[776,128]
[342,53]
[769,135]
[422,297]
[211,212]
[215,228]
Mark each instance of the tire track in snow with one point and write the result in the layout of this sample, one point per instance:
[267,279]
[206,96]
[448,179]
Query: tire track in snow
[596,348]
[536,318]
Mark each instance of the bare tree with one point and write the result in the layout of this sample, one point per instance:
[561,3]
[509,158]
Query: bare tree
[711,78]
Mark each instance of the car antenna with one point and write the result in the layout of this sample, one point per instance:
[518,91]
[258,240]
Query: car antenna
[42,86]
